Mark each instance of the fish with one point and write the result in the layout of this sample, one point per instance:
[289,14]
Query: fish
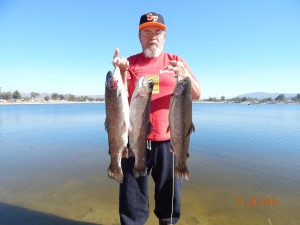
[181,125]
[117,122]
[139,111]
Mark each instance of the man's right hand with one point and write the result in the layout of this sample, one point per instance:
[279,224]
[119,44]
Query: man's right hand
[122,62]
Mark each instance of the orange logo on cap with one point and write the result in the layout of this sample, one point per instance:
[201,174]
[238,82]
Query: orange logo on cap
[150,17]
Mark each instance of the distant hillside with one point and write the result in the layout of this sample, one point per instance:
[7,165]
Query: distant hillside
[42,95]
[262,95]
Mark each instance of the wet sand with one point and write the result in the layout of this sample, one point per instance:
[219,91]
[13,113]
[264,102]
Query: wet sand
[87,196]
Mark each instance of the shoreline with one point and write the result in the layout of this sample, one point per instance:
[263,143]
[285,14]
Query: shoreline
[46,103]
[102,102]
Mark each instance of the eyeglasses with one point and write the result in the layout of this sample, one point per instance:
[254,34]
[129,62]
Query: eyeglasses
[148,33]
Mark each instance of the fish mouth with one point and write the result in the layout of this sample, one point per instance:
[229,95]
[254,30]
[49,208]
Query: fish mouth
[181,86]
[179,91]
[150,84]
[113,84]
[183,81]
[146,87]
[111,81]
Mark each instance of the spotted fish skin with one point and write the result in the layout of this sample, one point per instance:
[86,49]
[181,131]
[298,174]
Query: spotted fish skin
[181,125]
[139,123]
[116,122]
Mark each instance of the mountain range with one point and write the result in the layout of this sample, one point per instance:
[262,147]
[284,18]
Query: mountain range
[42,95]
[262,95]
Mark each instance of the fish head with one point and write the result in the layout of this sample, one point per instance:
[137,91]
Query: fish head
[111,82]
[182,85]
[150,84]
[144,86]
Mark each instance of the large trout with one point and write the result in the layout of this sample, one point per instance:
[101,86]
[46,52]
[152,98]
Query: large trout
[116,122]
[139,121]
[181,126]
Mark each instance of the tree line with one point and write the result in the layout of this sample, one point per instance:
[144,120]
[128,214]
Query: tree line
[16,95]
[279,98]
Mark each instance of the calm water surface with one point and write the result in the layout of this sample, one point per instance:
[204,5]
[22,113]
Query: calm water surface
[245,166]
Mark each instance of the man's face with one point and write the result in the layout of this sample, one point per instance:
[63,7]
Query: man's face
[152,39]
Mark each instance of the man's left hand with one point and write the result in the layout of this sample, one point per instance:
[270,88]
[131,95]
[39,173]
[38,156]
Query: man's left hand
[178,68]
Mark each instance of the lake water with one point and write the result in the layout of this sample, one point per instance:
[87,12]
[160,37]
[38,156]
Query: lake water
[245,166]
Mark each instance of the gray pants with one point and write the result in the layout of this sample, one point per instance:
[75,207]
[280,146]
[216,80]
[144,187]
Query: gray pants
[134,204]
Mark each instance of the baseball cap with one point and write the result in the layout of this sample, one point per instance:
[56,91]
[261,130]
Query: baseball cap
[152,19]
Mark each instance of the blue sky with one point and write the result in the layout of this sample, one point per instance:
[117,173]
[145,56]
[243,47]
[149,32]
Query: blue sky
[233,47]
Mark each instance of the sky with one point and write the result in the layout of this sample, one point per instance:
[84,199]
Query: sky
[233,47]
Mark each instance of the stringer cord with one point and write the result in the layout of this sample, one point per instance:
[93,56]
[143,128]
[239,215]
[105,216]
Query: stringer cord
[173,186]
[133,73]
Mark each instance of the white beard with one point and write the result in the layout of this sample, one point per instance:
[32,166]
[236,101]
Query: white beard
[152,52]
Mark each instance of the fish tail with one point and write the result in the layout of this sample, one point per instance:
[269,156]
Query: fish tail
[183,173]
[115,173]
[138,172]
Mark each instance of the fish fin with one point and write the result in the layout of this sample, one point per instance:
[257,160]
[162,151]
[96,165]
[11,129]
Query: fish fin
[130,152]
[116,173]
[105,125]
[191,129]
[150,126]
[171,148]
[129,128]
[182,173]
[138,172]
[168,129]
[125,153]
[125,125]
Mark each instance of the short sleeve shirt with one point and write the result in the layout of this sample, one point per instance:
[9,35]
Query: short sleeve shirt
[164,83]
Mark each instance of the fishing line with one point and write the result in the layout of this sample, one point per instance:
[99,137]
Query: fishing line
[173,186]
[133,73]
[173,175]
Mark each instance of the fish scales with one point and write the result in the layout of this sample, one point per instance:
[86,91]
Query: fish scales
[180,124]
[116,122]
[139,123]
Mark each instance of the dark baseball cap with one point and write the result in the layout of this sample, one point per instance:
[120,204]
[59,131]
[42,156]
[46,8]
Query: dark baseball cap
[152,19]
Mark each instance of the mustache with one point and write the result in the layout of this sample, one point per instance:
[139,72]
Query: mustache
[153,43]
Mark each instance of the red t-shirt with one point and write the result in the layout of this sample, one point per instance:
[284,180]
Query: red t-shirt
[164,83]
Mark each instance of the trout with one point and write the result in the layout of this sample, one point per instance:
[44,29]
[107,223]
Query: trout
[139,123]
[116,122]
[180,124]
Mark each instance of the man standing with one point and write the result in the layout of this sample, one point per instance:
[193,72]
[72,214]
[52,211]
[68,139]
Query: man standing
[162,68]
